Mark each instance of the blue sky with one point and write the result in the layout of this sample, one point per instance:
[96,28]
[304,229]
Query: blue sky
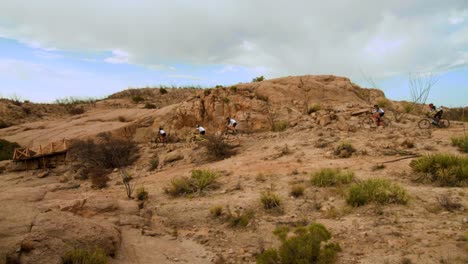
[53,49]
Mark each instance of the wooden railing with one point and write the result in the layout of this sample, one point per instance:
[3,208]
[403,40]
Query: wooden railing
[41,151]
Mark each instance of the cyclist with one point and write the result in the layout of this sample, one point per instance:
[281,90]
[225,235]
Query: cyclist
[377,114]
[162,135]
[438,112]
[231,124]
[201,130]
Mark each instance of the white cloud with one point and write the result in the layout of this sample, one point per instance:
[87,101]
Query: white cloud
[160,67]
[47,55]
[184,76]
[118,57]
[287,38]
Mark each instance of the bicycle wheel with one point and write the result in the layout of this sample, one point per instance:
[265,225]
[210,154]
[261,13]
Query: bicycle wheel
[424,124]
[368,122]
[444,123]
[386,122]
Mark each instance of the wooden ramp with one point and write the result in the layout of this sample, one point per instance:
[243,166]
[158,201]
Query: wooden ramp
[35,153]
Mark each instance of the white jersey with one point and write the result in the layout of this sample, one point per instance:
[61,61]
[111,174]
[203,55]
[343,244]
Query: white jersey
[232,121]
[200,129]
[380,111]
[162,132]
[436,109]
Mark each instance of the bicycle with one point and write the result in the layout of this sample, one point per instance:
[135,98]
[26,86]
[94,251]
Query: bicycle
[428,122]
[369,121]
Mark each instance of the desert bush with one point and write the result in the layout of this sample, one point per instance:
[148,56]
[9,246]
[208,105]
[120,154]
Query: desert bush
[225,100]
[98,177]
[106,151]
[457,114]
[207,92]
[138,99]
[74,110]
[261,97]
[443,169]
[122,119]
[380,191]
[76,100]
[407,143]
[233,89]
[239,218]
[270,200]
[162,91]
[199,181]
[461,142]
[279,126]
[378,167]
[7,149]
[81,256]
[308,245]
[4,124]
[314,108]
[297,190]
[217,148]
[383,103]
[150,106]
[154,163]
[127,182]
[331,177]
[447,203]
[344,150]
[258,79]
[141,194]
[216,211]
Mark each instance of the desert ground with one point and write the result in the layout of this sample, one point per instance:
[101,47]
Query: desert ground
[46,212]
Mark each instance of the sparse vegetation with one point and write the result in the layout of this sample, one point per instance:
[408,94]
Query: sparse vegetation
[106,151]
[74,110]
[216,211]
[378,167]
[297,190]
[407,143]
[443,169]
[98,177]
[260,177]
[233,89]
[122,119]
[380,191]
[81,256]
[258,79]
[446,202]
[314,108]
[331,177]
[280,126]
[461,142]
[142,194]
[162,90]
[270,200]
[200,181]
[239,218]
[7,149]
[150,106]
[138,99]
[308,245]
[4,124]
[154,163]
[344,150]
[127,182]
[217,148]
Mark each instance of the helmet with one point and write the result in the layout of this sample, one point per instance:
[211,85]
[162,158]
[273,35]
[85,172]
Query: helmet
[376,106]
[160,128]
[198,125]
[431,105]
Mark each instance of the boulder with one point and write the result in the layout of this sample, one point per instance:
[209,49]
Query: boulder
[54,233]
[173,156]
[324,120]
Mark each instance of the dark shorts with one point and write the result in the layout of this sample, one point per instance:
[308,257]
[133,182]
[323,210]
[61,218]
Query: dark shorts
[234,125]
[162,135]
[381,114]
[202,132]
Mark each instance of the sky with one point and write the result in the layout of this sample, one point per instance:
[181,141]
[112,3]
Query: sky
[52,49]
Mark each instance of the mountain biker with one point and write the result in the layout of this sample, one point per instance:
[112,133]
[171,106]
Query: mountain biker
[377,114]
[231,124]
[201,130]
[438,112]
[162,135]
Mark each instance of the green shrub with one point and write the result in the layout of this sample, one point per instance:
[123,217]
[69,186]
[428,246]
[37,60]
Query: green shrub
[344,150]
[270,200]
[162,91]
[81,256]
[279,126]
[233,88]
[4,124]
[379,191]
[217,147]
[443,169]
[314,108]
[154,163]
[331,177]
[7,149]
[98,177]
[142,194]
[122,119]
[216,211]
[138,98]
[461,142]
[240,218]
[200,181]
[150,106]
[207,92]
[308,245]
[297,190]
[258,79]
[225,100]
